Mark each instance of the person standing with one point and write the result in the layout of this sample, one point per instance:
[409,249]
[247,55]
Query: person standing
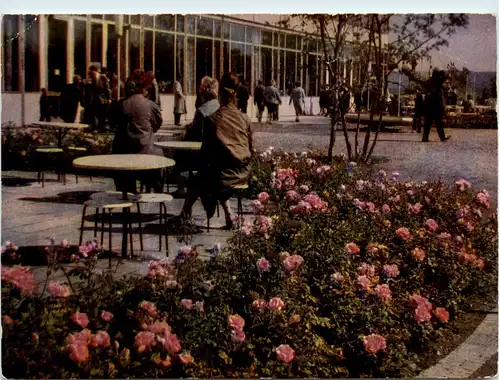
[45,106]
[259,99]
[153,89]
[418,112]
[273,100]
[89,97]
[71,97]
[243,96]
[298,97]
[179,101]
[103,99]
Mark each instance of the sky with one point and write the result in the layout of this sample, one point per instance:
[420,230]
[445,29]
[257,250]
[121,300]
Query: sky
[474,47]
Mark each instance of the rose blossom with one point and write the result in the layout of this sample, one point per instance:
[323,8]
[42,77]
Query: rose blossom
[403,233]
[259,305]
[483,198]
[199,306]
[78,352]
[294,319]
[236,322]
[21,277]
[416,208]
[160,328]
[386,209]
[263,197]
[383,292]
[301,208]
[263,265]
[57,290]
[422,314]
[276,304]
[462,184]
[285,353]
[367,270]
[149,307]
[365,283]
[246,228]
[64,243]
[7,320]
[352,248]
[257,206]
[431,224]
[187,304]
[144,340]
[80,319]
[391,271]
[374,343]
[264,223]
[293,262]
[100,339]
[171,343]
[418,254]
[419,301]
[106,316]
[338,277]
[370,207]
[292,196]
[238,335]
[442,314]
[186,359]
[444,236]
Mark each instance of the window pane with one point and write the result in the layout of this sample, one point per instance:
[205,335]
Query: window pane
[134,50]
[96,46]
[110,17]
[97,17]
[205,27]
[257,65]
[291,41]
[190,74]
[266,61]
[180,55]
[217,65]
[217,28]
[237,33]
[31,54]
[165,22]
[148,21]
[148,50]
[226,30]
[267,38]
[248,64]
[226,57]
[164,58]
[282,71]
[180,23]
[57,54]
[276,61]
[290,71]
[276,40]
[312,74]
[111,59]
[80,51]
[191,24]
[204,59]
[237,58]
[249,34]
[135,19]
[10,26]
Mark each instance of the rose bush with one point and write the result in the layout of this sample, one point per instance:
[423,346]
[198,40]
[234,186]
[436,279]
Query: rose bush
[356,282]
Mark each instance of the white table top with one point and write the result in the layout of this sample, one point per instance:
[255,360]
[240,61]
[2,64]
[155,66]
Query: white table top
[123,162]
[180,145]
[58,124]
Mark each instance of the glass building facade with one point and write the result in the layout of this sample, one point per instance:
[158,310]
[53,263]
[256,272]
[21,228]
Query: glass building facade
[47,50]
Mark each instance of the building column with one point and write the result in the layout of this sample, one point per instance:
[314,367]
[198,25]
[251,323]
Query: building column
[104,45]
[22,87]
[70,50]
[344,76]
[350,73]
[43,50]
[141,43]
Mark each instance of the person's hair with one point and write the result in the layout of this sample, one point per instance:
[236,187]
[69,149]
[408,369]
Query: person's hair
[93,68]
[297,84]
[209,88]
[77,77]
[178,76]
[138,77]
[272,82]
[259,82]
[104,70]
[43,90]
[228,86]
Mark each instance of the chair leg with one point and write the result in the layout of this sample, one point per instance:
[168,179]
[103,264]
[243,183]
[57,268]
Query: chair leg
[218,212]
[208,224]
[139,216]
[103,216]
[96,221]
[110,227]
[82,225]
[39,176]
[161,221]
[131,240]
[166,226]
[76,179]
[43,180]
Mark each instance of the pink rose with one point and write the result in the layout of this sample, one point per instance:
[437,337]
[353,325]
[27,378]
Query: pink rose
[57,290]
[419,301]
[367,270]
[236,322]
[7,320]
[246,228]
[418,254]
[374,343]
[263,197]
[416,208]
[149,308]
[483,198]
[338,277]
[106,316]
[64,243]
[404,233]
[293,262]
[186,359]
[444,236]
[100,339]
[422,314]
[80,319]
[383,292]
[292,196]
[285,353]
[301,208]
[238,335]
[257,206]
[391,271]
[276,304]
[21,277]
[259,305]
[172,344]
[159,328]
[78,352]
[187,304]
[352,248]
[264,223]
[199,306]
[365,283]
[462,184]
[263,265]
[442,314]
[480,263]
[431,224]
[144,340]
[386,209]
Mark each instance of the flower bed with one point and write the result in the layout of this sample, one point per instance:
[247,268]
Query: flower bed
[336,275]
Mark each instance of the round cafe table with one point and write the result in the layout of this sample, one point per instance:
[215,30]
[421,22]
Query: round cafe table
[123,163]
[61,126]
[179,145]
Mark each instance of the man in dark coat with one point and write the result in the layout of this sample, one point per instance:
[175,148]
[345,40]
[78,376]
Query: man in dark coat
[243,96]
[45,105]
[71,97]
[435,105]
[418,112]
[259,100]
[89,98]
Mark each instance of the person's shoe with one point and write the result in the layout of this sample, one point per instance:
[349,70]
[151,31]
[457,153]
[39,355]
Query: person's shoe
[229,225]
[425,140]
[446,138]
[179,194]
[297,120]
